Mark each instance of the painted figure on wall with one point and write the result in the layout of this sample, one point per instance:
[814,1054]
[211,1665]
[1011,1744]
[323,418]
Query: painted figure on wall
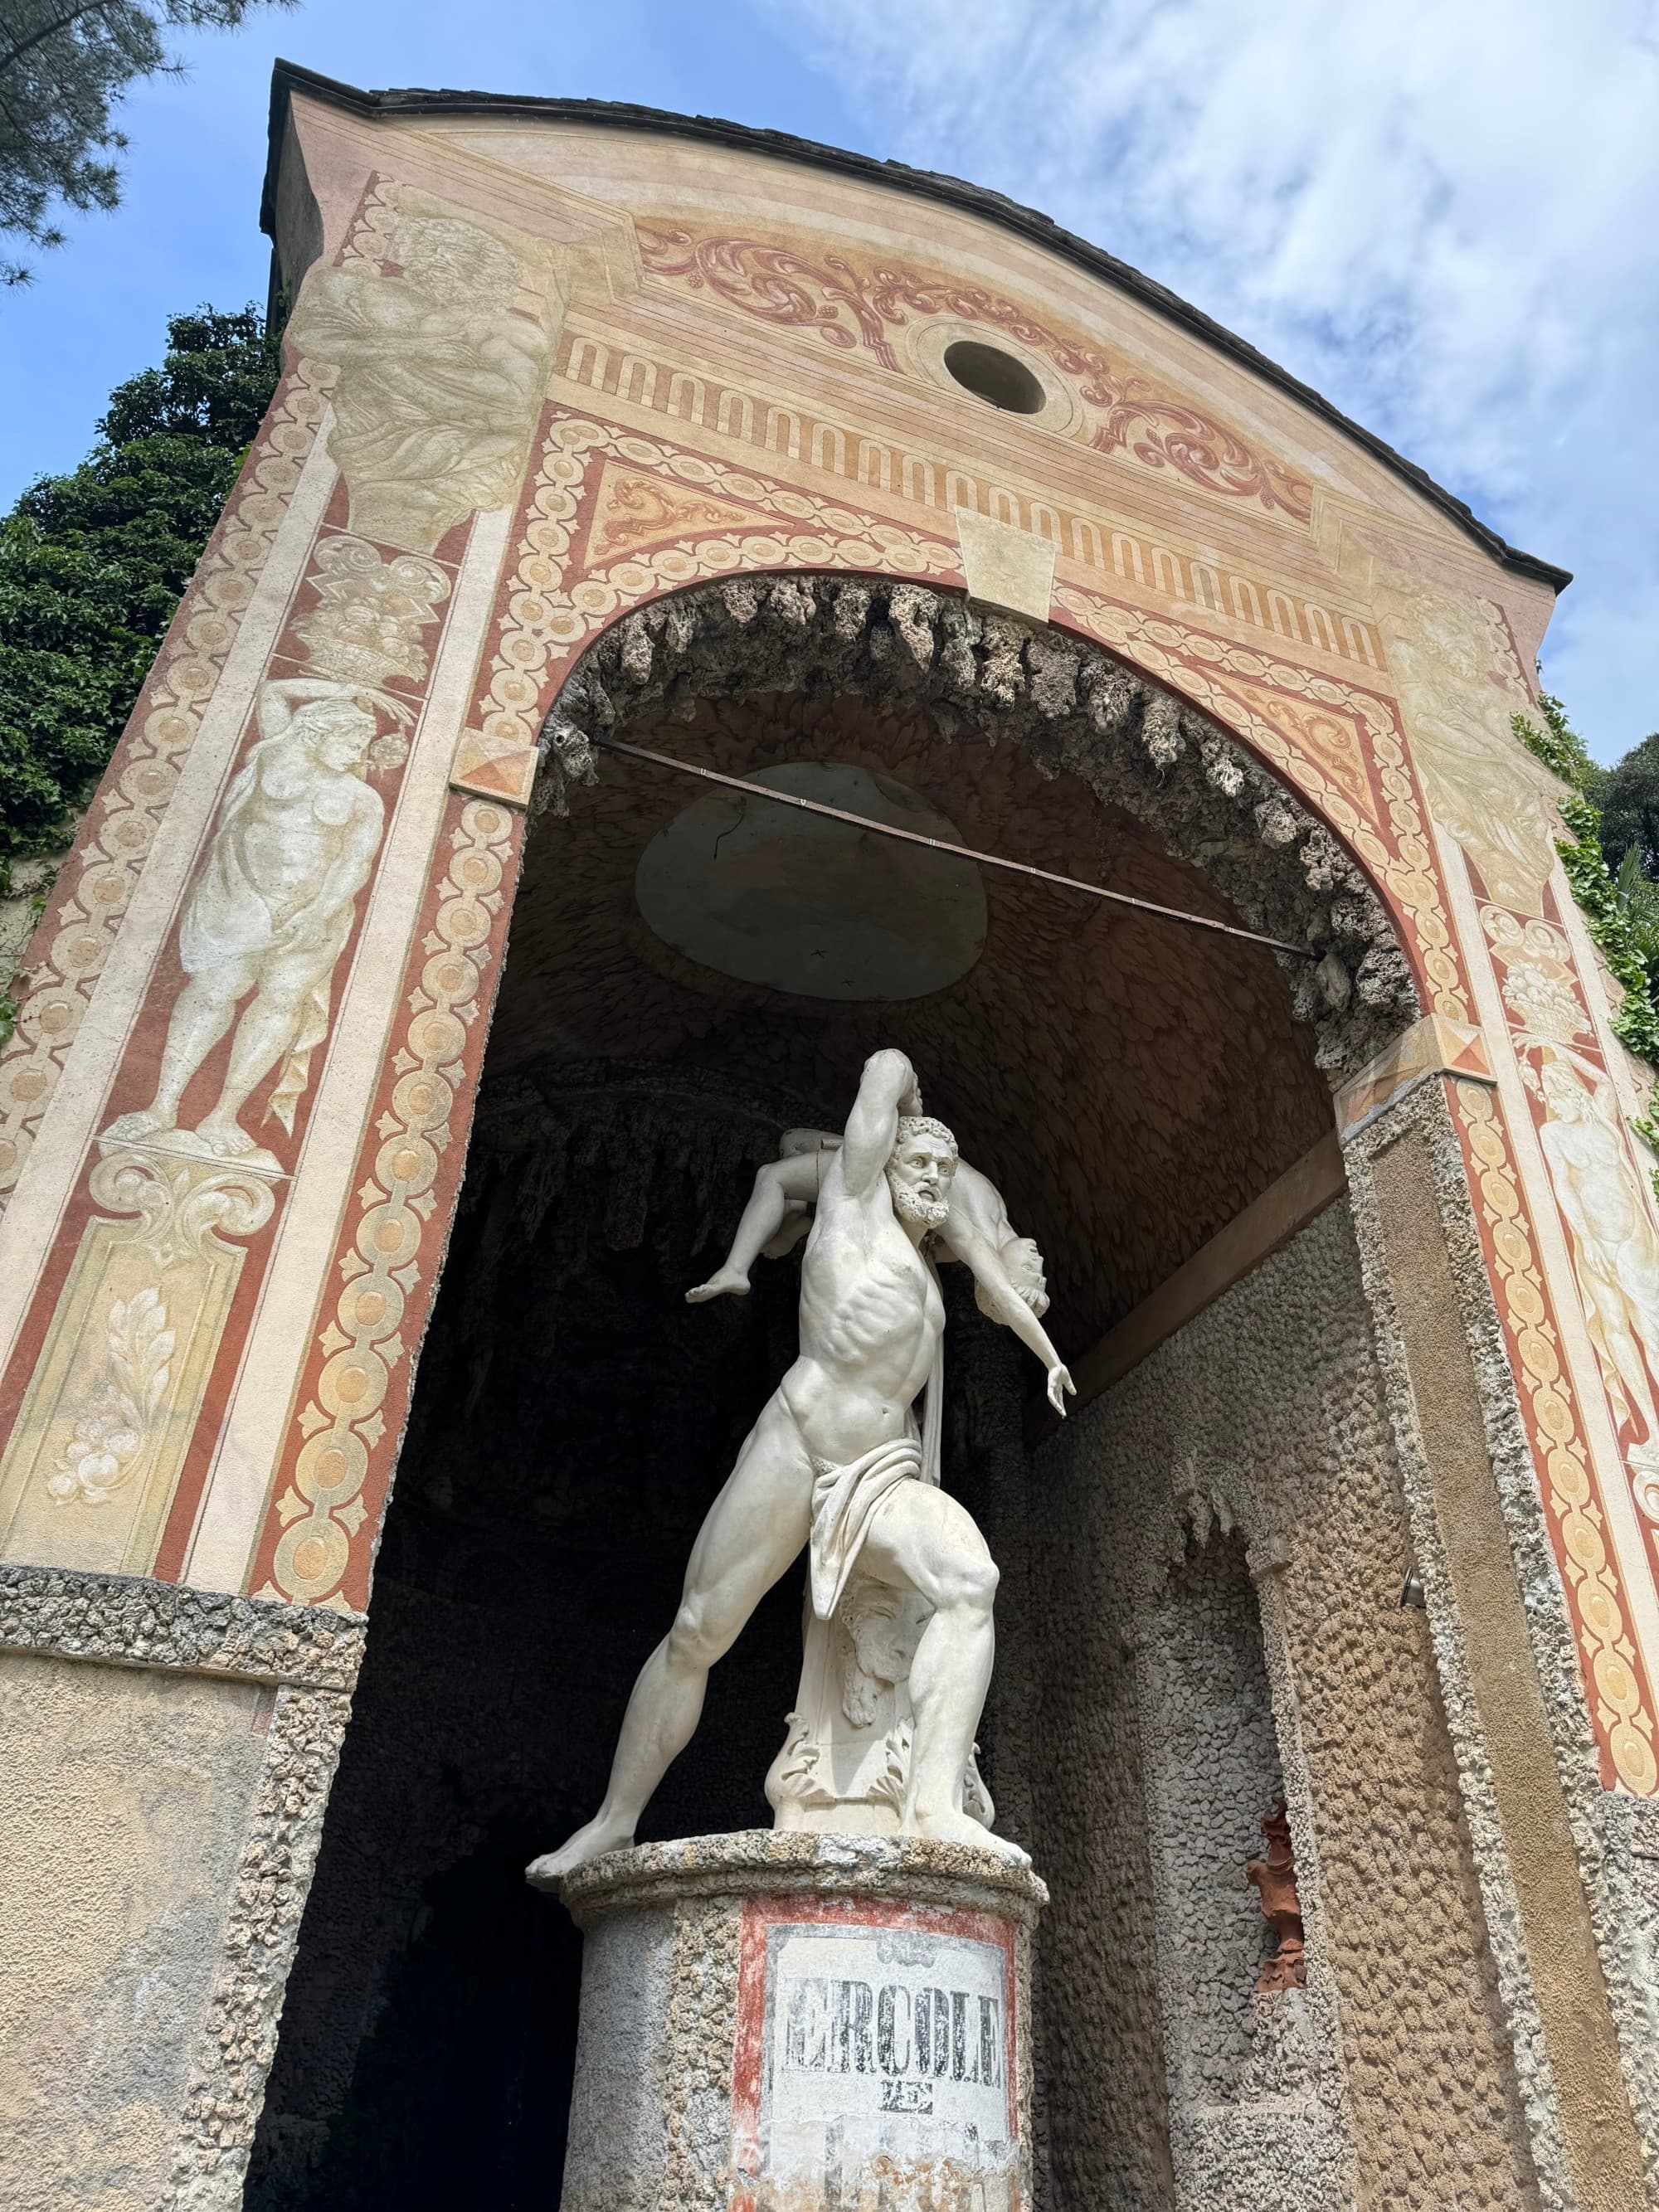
[1614,1243]
[439,377]
[835,1464]
[1460,687]
[270,910]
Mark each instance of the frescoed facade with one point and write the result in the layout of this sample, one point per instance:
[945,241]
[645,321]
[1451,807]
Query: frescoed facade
[598,424]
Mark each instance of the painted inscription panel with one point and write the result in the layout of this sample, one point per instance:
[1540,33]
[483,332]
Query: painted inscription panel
[878,2059]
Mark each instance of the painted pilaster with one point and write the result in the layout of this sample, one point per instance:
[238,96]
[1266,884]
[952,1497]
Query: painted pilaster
[1431,1187]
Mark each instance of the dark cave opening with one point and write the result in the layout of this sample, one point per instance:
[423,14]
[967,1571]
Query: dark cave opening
[575,1417]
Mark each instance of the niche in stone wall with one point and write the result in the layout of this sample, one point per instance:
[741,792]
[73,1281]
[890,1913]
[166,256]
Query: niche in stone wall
[1252,2116]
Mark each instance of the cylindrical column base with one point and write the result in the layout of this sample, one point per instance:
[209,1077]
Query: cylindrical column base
[802,2023]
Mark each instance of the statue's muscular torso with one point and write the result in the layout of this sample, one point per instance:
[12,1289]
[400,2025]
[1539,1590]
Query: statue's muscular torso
[871,1319]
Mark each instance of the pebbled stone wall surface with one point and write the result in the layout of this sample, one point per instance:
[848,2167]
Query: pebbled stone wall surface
[1391,2081]
[139,1801]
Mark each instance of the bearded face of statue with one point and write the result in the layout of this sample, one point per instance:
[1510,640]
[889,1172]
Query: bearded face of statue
[457,261]
[919,1172]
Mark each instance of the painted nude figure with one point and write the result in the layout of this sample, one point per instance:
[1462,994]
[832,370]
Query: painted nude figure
[1617,1251]
[271,910]
[439,380]
[833,1461]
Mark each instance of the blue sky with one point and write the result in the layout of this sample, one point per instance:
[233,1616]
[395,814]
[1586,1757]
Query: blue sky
[1441,213]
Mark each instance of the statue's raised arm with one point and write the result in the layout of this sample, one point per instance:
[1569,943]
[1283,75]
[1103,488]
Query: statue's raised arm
[887,1091]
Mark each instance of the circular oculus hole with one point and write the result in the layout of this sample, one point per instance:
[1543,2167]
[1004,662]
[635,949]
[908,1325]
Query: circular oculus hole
[990,374]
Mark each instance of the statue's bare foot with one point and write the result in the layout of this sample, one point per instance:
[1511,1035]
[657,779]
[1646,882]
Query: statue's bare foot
[221,1139]
[145,1122]
[963,1828]
[729,1283]
[600,1836]
[225,1139]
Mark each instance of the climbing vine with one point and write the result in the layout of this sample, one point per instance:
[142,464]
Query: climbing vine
[1621,908]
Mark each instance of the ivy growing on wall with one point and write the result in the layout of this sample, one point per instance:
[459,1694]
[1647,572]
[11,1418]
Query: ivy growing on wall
[1621,903]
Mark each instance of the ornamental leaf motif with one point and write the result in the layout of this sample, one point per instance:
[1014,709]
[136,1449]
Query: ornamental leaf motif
[109,1437]
[848,308]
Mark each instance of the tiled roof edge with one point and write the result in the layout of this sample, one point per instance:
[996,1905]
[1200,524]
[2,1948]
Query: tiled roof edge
[287,77]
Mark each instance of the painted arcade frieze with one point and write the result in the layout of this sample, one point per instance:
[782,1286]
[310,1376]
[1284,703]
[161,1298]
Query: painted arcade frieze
[1062,503]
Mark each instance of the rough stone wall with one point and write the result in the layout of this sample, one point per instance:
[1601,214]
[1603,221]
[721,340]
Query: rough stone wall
[1256,2121]
[1212,1771]
[126,1793]
[1103,2098]
[1560,1888]
[1267,1415]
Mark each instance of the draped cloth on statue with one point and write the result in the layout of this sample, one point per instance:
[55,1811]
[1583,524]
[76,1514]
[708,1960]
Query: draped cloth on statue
[845,1499]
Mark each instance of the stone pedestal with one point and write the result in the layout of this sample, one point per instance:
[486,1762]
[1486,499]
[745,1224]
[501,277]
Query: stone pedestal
[777,2022]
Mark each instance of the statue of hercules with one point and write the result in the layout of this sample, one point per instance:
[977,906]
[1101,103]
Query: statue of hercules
[834,1462]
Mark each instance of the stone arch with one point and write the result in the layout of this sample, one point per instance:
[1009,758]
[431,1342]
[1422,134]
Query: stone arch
[1205,795]
[598,1176]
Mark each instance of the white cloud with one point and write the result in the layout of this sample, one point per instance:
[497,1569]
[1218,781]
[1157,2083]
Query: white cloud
[1441,213]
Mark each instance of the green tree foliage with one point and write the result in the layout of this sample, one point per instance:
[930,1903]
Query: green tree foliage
[64,64]
[1629,799]
[1622,908]
[93,564]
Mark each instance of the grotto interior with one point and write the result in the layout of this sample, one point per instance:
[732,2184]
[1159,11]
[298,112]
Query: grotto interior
[691,973]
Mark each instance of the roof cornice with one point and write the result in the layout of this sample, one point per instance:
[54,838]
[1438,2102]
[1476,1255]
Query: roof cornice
[287,77]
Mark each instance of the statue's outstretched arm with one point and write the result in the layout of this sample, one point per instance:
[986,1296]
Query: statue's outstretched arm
[1006,1304]
[887,1089]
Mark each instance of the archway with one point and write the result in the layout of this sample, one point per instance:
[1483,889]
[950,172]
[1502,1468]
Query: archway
[1132,1087]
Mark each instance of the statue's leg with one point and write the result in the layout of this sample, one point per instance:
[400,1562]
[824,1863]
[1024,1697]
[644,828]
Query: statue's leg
[264,1033]
[920,1540]
[755,1528]
[762,1218]
[201,1014]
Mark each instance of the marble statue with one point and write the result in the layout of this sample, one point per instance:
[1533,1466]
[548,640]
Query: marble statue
[835,1462]
[270,912]
[844,1764]
[775,1221]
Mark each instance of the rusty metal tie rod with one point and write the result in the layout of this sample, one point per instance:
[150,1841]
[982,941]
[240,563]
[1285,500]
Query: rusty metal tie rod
[958,852]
